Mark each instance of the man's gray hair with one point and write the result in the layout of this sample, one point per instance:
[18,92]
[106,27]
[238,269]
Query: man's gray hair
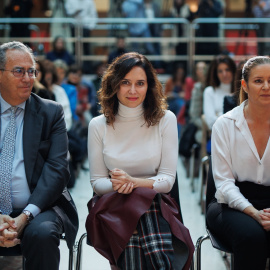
[13,45]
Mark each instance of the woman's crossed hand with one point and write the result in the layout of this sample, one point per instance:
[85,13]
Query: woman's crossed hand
[121,181]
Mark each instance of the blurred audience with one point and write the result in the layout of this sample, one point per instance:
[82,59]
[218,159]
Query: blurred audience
[71,91]
[86,94]
[38,87]
[59,51]
[178,91]
[49,80]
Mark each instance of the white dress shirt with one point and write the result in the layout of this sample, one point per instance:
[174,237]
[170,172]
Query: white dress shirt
[235,157]
[213,102]
[141,151]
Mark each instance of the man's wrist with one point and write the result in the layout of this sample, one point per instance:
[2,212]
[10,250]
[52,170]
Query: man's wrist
[29,215]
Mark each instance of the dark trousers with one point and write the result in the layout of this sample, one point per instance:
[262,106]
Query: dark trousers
[40,241]
[247,238]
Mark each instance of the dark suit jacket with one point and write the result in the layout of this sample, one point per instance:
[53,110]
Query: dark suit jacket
[45,146]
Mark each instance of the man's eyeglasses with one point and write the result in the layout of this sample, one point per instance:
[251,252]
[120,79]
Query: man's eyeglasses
[20,72]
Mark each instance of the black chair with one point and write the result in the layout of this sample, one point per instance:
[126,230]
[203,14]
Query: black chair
[174,194]
[216,243]
[16,251]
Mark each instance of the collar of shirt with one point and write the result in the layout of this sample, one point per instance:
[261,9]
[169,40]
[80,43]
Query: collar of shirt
[4,106]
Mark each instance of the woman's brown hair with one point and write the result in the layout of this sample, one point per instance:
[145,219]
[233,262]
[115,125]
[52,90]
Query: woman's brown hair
[248,66]
[212,75]
[154,104]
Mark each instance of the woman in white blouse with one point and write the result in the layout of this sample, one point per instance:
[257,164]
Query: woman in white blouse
[240,215]
[220,81]
[133,159]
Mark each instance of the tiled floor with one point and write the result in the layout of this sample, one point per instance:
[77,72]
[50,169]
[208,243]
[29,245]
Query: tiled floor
[193,219]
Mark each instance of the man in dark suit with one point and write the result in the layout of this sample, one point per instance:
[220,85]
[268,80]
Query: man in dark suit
[35,206]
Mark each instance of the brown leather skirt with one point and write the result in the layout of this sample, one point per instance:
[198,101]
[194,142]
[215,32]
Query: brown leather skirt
[113,218]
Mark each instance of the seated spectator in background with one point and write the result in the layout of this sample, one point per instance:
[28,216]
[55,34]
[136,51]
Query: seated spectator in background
[19,9]
[86,94]
[38,87]
[99,71]
[196,102]
[59,51]
[120,49]
[220,83]
[178,89]
[239,213]
[71,91]
[49,80]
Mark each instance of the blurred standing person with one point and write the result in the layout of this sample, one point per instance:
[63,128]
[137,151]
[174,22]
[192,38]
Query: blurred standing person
[82,10]
[181,10]
[136,9]
[59,51]
[262,10]
[209,9]
[19,9]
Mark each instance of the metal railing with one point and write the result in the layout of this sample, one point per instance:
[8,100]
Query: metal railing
[168,38]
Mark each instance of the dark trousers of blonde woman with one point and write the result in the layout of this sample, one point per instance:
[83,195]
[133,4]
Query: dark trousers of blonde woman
[247,238]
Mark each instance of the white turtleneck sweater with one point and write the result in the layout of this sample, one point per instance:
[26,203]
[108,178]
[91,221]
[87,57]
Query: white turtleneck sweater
[141,151]
[213,102]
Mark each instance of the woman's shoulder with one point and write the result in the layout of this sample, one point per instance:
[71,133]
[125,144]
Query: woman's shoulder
[233,116]
[168,116]
[98,121]
[209,90]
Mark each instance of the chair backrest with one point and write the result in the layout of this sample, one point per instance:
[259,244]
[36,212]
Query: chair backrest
[211,187]
[175,195]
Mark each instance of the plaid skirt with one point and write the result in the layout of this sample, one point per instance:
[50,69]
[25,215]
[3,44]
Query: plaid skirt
[151,247]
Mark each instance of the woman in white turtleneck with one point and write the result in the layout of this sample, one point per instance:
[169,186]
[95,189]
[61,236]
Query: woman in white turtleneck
[220,81]
[132,149]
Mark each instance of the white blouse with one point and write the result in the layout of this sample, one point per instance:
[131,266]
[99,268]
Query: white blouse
[141,151]
[213,102]
[235,157]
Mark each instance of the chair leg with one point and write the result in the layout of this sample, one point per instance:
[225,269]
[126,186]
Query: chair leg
[23,263]
[191,169]
[232,262]
[79,252]
[198,251]
[70,259]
